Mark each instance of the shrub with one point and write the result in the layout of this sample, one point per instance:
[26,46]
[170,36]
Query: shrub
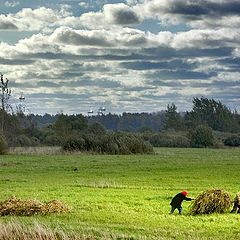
[52,140]
[3,145]
[22,141]
[74,145]
[110,143]
[201,136]
[211,201]
[169,140]
[233,141]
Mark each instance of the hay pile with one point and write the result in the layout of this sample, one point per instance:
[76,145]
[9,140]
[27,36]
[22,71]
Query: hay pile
[14,206]
[211,201]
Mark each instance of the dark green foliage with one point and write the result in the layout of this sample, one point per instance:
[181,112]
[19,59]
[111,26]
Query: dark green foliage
[130,122]
[211,201]
[22,141]
[173,119]
[110,143]
[233,141]
[168,139]
[96,128]
[68,126]
[201,136]
[74,145]
[3,145]
[214,114]
[51,140]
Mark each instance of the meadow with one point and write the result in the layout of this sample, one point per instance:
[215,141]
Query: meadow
[125,196]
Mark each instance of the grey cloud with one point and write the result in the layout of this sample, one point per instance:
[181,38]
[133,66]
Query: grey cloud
[187,8]
[4,61]
[71,37]
[161,83]
[195,8]
[23,85]
[231,95]
[172,96]
[233,64]
[57,75]
[166,52]
[125,17]
[137,88]
[225,84]
[144,65]
[47,84]
[180,74]
[101,83]
[6,25]
[59,95]
[120,14]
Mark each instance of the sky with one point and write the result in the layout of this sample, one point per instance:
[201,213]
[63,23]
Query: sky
[125,55]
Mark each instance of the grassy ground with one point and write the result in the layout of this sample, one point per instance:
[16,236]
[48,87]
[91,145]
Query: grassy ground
[116,197]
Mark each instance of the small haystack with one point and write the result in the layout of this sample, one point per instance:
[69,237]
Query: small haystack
[211,201]
[14,206]
[55,206]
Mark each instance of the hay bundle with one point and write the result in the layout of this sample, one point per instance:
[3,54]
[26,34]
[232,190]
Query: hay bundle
[14,206]
[211,201]
[55,206]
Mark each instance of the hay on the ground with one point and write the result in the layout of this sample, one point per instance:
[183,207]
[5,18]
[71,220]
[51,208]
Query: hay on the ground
[15,206]
[211,201]
[55,206]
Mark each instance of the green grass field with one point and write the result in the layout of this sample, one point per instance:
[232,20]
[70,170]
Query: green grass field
[126,197]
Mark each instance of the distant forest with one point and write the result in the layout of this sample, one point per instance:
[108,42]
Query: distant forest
[209,123]
[205,111]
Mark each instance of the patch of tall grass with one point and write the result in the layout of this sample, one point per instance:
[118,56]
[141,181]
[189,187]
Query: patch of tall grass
[17,231]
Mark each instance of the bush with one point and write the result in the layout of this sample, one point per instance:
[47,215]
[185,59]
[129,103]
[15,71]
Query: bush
[22,141]
[169,140]
[211,201]
[233,141]
[110,143]
[201,136]
[74,145]
[52,140]
[3,145]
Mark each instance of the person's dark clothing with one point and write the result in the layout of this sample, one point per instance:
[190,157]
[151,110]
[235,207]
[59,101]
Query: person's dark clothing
[177,200]
[236,206]
[178,208]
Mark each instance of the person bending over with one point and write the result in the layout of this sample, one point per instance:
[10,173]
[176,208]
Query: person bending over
[236,206]
[177,201]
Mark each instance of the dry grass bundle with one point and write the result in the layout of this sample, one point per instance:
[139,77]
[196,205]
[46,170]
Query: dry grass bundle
[211,201]
[14,206]
[18,231]
[55,206]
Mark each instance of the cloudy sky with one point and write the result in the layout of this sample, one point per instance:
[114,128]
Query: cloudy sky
[125,55]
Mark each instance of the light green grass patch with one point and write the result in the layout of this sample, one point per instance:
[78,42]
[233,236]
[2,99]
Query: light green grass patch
[120,196]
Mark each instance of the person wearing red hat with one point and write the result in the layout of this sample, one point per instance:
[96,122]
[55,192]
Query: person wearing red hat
[177,201]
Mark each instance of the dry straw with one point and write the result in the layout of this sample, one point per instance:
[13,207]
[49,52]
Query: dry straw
[17,231]
[14,206]
[211,201]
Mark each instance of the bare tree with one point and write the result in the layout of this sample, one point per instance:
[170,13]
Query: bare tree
[5,94]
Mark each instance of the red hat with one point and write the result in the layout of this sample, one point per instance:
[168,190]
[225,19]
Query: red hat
[185,193]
